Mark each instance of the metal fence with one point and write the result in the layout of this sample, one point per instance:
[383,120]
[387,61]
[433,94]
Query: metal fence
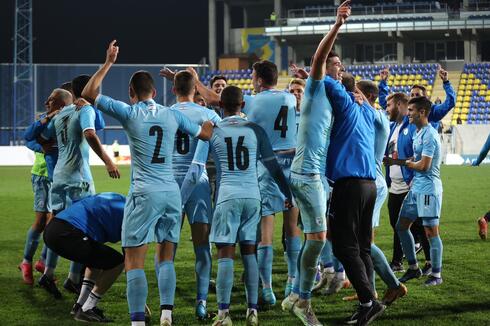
[49,76]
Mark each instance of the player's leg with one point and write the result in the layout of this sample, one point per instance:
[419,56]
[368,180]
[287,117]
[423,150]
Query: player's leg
[265,258]
[483,226]
[394,205]
[46,281]
[224,282]
[137,285]
[292,240]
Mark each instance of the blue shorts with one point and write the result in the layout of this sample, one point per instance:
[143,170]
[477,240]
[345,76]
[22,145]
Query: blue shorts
[272,198]
[198,207]
[152,217]
[381,194]
[311,196]
[235,220]
[41,187]
[425,206]
[63,196]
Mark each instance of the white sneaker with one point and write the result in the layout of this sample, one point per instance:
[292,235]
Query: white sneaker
[223,321]
[305,313]
[325,280]
[335,285]
[165,322]
[252,318]
[289,301]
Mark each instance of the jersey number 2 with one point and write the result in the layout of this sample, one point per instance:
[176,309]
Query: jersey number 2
[241,151]
[281,122]
[157,130]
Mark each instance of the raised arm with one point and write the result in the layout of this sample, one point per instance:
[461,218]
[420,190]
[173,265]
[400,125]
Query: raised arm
[483,152]
[91,90]
[384,90]
[211,97]
[318,65]
[439,111]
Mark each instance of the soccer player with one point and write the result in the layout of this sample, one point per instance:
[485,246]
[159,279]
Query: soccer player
[483,152]
[297,88]
[197,205]
[237,145]
[275,112]
[199,99]
[78,233]
[153,206]
[424,199]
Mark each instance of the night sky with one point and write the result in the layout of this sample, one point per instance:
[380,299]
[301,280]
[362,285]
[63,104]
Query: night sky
[148,31]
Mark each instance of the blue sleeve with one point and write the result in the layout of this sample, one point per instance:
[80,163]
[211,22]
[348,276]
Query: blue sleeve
[99,120]
[483,153]
[34,130]
[429,145]
[50,131]
[439,111]
[202,152]
[87,118]
[34,146]
[213,116]
[338,96]
[185,124]
[384,90]
[116,109]
[191,179]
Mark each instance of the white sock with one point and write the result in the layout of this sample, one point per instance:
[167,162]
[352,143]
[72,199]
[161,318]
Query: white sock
[329,270]
[166,314]
[340,275]
[137,323]
[49,271]
[250,310]
[203,302]
[221,313]
[87,286]
[91,301]
[367,305]
[438,275]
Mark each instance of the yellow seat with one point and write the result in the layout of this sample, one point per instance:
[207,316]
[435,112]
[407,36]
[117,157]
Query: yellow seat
[404,77]
[483,87]
[429,87]
[459,98]
[404,83]
[464,81]
[460,93]
[425,82]
[471,76]
[465,109]
[464,75]
[377,78]
[467,92]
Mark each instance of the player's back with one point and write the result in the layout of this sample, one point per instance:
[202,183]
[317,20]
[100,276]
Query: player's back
[381,136]
[275,112]
[185,145]
[234,147]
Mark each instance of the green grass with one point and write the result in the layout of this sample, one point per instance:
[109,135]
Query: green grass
[463,299]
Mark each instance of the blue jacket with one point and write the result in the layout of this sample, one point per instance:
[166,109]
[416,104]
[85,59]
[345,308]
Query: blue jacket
[408,130]
[31,134]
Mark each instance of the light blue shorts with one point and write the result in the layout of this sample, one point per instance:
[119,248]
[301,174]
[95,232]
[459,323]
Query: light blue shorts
[63,196]
[152,217]
[198,208]
[235,220]
[272,198]
[425,206]
[381,194]
[41,187]
[311,196]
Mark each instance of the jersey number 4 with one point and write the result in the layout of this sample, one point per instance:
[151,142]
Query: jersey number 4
[157,130]
[241,154]
[281,122]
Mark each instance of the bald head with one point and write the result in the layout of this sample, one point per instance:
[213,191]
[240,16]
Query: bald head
[58,99]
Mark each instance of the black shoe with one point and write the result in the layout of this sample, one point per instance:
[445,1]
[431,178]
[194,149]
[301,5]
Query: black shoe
[410,274]
[367,314]
[397,267]
[72,287]
[49,285]
[427,269]
[75,309]
[94,315]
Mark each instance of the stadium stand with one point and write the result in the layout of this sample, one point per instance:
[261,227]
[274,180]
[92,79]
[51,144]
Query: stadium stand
[370,20]
[241,78]
[473,97]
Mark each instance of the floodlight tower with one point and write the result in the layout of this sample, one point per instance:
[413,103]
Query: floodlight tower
[23,84]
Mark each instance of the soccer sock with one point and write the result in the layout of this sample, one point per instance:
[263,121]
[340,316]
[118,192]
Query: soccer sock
[92,301]
[224,283]
[167,282]
[382,267]
[251,279]
[155,265]
[32,241]
[338,268]
[436,255]
[326,257]
[297,278]
[75,270]
[87,286]
[408,246]
[51,262]
[264,258]
[309,259]
[293,246]
[44,253]
[203,270]
[136,291]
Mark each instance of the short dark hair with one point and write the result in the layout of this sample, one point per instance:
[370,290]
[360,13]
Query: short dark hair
[368,87]
[217,77]
[349,82]
[332,54]
[78,84]
[184,83]
[267,71]
[398,97]
[66,86]
[422,88]
[142,83]
[421,103]
[231,98]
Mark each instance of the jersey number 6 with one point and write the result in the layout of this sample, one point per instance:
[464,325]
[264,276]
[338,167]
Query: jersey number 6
[240,151]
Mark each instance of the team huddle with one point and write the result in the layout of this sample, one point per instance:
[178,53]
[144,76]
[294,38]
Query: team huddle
[229,162]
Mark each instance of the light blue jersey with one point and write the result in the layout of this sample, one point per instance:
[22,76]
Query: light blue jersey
[381,135]
[151,130]
[315,126]
[236,145]
[72,168]
[426,143]
[275,112]
[185,145]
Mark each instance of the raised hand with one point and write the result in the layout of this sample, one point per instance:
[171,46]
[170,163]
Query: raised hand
[111,54]
[298,72]
[167,73]
[443,74]
[343,12]
[384,74]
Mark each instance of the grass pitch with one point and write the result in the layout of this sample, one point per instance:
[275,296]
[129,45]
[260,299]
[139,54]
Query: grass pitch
[463,298]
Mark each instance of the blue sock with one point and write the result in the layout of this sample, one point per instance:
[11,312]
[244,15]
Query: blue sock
[224,282]
[32,241]
[203,270]
[297,278]
[337,265]
[251,279]
[326,257]
[264,258]
[75,270]
[51,259]
[136,291]
[167,282]
[408,245]
[436,253]
[44,253]
[382,267]
[309,259]
[293,246]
